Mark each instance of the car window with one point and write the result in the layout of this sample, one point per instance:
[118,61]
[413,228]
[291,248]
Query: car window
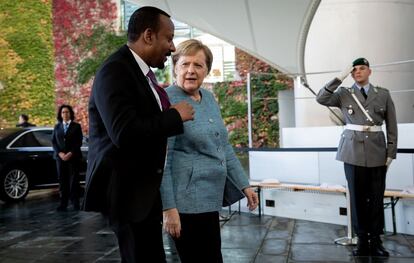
[44,137]
[35,139]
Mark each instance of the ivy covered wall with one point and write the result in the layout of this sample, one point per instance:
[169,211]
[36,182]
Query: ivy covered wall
[26,62]
[84,35]
[265,82]
[43,66]
[50,51]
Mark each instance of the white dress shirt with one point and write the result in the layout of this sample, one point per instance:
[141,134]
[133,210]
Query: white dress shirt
[145,69]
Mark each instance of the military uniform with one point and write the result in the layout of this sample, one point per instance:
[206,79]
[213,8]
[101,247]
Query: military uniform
[364,150]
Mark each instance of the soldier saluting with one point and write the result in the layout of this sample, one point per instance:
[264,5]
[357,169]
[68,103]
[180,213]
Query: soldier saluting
[364,150]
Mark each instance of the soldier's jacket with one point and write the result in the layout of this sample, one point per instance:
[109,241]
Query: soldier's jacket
[363,148]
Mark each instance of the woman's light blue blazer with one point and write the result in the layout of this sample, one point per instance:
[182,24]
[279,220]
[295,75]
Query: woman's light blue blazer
[199,160]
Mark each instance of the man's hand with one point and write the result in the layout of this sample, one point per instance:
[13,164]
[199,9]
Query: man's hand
[252,199]
[171,222]
[345,73]
[185,110]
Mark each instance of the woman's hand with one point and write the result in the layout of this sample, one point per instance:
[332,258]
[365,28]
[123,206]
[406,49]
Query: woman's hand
[171,222]
[68,156]
[252,199]
[62,156]
[65,156]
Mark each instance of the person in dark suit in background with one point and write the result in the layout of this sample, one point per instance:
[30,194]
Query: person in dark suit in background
[67,141]
[24,121]
[130,119]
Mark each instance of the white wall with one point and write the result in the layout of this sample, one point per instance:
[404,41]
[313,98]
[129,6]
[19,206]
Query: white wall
[342,31]
[317,167]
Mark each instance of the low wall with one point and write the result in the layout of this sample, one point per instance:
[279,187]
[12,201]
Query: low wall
[308,157]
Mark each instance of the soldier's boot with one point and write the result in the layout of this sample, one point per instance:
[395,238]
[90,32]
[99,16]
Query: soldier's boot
[362,249]
[377,249]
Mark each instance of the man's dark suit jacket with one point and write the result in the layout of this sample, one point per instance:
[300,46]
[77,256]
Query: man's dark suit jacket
[127,141]
[69,142]
[25,125]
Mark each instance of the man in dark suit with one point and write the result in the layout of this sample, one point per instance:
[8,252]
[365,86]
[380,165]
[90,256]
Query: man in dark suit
[67,141]
[130,120]
[24,121]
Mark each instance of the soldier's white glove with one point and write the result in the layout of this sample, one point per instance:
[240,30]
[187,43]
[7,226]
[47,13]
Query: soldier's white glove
[345,73]
[388,162]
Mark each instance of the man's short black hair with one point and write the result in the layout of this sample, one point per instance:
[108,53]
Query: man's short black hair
[24,117]
[143,18]
[59,113]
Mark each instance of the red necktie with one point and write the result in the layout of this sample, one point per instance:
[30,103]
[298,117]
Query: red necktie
[165,101]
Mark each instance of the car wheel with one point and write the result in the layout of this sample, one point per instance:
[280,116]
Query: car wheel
[14,185]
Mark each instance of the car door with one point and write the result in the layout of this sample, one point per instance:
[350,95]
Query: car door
[35,149]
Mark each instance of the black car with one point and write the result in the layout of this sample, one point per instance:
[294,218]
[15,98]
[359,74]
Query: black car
[26,161]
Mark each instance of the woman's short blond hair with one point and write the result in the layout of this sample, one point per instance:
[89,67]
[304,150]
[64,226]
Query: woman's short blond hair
[191,47]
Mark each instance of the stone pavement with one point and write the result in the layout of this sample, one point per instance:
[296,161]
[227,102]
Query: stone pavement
[32,231]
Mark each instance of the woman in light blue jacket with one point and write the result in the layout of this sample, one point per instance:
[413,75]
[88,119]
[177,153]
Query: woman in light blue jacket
[198,163]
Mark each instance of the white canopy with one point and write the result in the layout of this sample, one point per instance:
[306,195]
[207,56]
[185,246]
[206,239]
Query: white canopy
[272,30]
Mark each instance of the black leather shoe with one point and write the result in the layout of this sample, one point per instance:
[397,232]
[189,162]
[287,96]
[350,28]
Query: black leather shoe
[362,249]
[361,252]
[377,249]
[61,208]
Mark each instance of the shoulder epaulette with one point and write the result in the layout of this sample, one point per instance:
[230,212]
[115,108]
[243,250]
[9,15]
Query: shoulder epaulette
[381,88]
[349,89]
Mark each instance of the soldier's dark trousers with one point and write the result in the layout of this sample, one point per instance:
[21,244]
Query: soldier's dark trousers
[366,187]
